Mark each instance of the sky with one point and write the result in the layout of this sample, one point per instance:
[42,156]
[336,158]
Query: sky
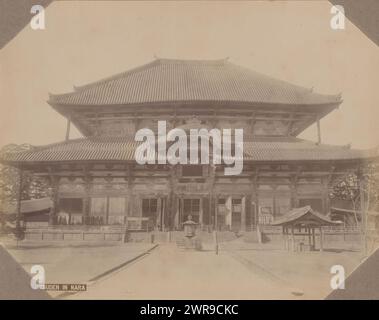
[86,41]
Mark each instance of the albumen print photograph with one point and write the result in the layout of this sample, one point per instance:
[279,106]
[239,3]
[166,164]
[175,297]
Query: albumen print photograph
[189,150]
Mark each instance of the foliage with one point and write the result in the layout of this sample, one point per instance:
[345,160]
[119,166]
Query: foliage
[349,188]
[32,188]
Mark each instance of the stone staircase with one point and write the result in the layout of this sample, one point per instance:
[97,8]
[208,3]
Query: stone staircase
[205,237]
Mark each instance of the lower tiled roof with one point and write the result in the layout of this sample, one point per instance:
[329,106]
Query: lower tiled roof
[298,150]
[94,148]
[123,149]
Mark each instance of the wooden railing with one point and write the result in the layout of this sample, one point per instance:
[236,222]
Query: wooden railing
[265,219]
[94,222]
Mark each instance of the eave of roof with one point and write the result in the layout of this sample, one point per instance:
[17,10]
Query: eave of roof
[27,206]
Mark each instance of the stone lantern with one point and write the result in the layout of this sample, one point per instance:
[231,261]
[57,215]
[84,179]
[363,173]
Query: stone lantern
[189,227]
[190,239]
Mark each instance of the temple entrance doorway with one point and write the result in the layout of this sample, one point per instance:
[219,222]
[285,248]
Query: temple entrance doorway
[150,211]
[191,207]
[236,214]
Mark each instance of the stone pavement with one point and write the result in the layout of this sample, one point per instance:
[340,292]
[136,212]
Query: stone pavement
[172,273]
[240,271]
[75,263]
[306,272]
[363,283]
[15,281]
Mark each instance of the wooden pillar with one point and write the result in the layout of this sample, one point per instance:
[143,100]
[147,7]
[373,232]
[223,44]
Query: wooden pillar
[212,171]
[256,197]
[210,210]
[256,215]
[292,239]
[253,199]
[294,187]
[243,213]
[229,211]
[216,212]
[54,180]
[321,240]
[19,198]
[313,238]
[169,209]
[274,213]
[215,240]
[284,237]
[288,240]
[309,238]
[130,193]
[362,181]
[171,205]
[68,127]
[163,211]
[201,223]
[158,218]
[86,201]
[174,211]
[318,131]
[107,212]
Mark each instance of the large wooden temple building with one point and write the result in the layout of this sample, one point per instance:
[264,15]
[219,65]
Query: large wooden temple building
[97,181]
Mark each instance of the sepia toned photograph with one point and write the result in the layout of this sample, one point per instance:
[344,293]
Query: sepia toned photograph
[189,150]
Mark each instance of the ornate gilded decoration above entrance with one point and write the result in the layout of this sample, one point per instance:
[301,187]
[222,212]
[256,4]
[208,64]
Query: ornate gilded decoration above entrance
[194,123]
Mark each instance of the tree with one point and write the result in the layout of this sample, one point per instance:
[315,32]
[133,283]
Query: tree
[348,189]
[32,188]
[363,192]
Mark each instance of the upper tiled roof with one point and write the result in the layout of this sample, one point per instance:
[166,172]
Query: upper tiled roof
[123,149]
[165,80]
